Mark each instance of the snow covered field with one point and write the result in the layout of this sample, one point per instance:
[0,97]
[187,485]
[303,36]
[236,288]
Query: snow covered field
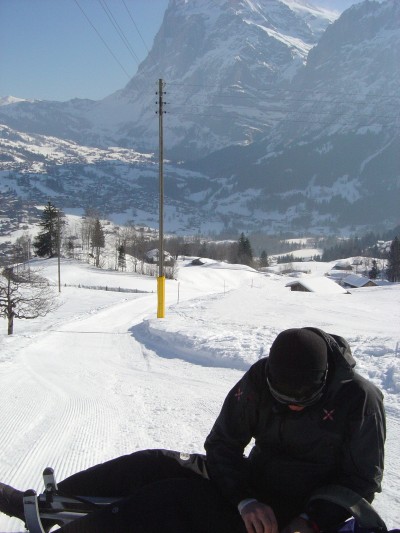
[102,376]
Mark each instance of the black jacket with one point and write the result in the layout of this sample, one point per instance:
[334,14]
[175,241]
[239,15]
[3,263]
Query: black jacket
[339,440]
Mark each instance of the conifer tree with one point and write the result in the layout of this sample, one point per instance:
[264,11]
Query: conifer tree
[245,253]
[374,272]
[46,242]
[264,262]
[121,257]
[393,270]
[98,241]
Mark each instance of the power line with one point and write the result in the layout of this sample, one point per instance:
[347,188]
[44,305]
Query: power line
[294,111]
[103,40]
[264,97]
[270,110]
[255,97]
[119,30]
[137,29]
[277,97]
[141,37]
[286,90]
[275,107]
[288,120]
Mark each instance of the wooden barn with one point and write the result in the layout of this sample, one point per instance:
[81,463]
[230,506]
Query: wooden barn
[356,282]
[321,285]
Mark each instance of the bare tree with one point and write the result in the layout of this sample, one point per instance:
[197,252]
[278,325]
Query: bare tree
[24,295]
[20,249]
[87,230]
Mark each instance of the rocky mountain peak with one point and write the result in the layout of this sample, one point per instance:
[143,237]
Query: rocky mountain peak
[280,124]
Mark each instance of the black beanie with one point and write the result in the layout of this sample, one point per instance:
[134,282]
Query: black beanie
[298,361]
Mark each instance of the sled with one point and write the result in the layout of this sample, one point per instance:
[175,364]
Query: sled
[53,508]
[56,507]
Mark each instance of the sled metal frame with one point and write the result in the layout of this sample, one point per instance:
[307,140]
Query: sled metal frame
[61,509]
[58,508]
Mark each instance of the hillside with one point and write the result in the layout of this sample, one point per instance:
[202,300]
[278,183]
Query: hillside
[102,376]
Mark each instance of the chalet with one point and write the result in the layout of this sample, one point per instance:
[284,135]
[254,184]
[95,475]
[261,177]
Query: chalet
[343,265]
[152,256]
[320,285]
[356,282]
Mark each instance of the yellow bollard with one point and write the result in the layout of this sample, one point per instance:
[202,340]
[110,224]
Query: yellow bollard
[161,297]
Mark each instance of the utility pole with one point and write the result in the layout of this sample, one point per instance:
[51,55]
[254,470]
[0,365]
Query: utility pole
[59,250]
[29,258]
[161,277]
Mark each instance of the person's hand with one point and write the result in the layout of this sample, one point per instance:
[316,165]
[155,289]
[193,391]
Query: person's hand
[298,525]
[259,518]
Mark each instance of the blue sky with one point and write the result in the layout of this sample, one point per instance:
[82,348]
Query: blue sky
[49,50]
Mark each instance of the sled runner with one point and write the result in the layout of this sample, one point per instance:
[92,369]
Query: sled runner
[52,507]
[56,507]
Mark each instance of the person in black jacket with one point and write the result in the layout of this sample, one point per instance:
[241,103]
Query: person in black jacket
[315,423]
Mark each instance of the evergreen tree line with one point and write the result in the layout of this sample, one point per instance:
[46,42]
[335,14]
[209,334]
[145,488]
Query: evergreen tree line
[231,251]
[53,239]
[367,246]
[26,295]
[48,242]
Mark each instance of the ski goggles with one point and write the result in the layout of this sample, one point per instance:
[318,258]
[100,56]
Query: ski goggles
[305,399]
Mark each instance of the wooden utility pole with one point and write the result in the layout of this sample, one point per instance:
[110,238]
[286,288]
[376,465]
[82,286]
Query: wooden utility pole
[161,277]
[59,250]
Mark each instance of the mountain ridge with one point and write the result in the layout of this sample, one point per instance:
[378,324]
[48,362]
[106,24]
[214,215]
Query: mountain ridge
[282,132]
[216,47]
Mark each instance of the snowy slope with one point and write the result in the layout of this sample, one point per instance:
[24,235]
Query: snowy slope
[316,17]
[102,376]
[119,182]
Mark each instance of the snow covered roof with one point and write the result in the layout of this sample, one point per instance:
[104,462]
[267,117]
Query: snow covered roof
[343,264]
[318,284]
[357,281]
[153,254]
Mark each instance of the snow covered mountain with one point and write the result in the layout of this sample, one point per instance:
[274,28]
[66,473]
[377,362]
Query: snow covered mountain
[333,157]
[7,100]
[285,113]
[224,56]
[220,71]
